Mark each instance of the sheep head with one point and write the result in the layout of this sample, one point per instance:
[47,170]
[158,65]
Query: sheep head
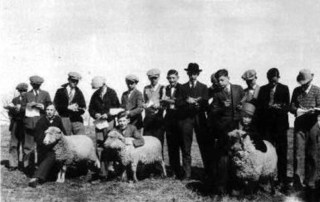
[52,135]
[115,140]
[236,139]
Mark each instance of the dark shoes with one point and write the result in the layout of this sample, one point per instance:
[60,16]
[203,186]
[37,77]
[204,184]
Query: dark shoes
[34,182]
[12,168]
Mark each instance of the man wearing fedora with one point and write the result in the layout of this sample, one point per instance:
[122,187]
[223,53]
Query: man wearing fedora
[305,100]
[33,105]
[192,102]
[272,110]
[252,91]
[226,110]
[16,126]
[70,104]
[132,101]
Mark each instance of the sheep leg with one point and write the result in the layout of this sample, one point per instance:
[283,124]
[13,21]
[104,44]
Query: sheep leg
[59,176]
[62,174]
[163,166]
[134,171]
[124,174]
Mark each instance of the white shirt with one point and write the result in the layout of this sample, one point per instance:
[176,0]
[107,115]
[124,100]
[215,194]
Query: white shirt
[35,92]
[195,83]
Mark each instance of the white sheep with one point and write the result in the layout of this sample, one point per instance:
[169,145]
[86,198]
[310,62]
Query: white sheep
[249,164]
[128,156]
[70,149]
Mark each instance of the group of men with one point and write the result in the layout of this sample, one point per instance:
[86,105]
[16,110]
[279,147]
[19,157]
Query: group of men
[179,110]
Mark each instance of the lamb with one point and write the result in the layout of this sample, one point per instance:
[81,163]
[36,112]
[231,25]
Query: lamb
[249,164]
[70,149]
[128,156]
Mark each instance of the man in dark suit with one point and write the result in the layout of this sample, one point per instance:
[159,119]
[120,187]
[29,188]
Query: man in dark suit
[192,101]
[70,104]
[273,106]
[47,156]
[173,134]
[226,110]
[33,104]
[16,126]
[132,101]
[102,100]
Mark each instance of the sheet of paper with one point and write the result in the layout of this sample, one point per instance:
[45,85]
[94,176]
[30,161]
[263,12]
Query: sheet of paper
[150,104]
[32,112]
[115,111]
[101,124]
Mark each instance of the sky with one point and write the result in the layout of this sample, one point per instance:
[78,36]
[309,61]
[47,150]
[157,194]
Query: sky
[118,37]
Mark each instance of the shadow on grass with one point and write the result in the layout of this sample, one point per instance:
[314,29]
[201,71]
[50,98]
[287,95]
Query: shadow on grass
[5,163]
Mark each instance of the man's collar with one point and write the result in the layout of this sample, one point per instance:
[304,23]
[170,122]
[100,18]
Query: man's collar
[194,83]
[308,89]
[155,87]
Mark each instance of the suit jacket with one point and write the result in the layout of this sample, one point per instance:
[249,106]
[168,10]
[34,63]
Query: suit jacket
[15,116]
[171,113]
[270,116]
[102,106]
[43,98]
[132,131]
[220,111]
[189,110]
[42,125]
[61,101]
[133,104]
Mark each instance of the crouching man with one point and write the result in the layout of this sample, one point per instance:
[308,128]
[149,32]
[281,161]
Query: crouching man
[127,130]
[46,154]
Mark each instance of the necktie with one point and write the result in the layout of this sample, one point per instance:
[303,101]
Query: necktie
[71,95]
[37,94]
[271,101]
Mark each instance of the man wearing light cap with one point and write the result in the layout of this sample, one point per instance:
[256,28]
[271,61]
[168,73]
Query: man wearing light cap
[102,100]
[252,91]
[273,122]
[304,103]
[33,105]
[132,101]
[153,122]
[16,126]
[70,104]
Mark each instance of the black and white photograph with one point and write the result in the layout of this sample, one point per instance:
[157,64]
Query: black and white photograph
[163,100]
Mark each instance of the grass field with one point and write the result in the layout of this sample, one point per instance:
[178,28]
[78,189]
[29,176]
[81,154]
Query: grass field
[14,185]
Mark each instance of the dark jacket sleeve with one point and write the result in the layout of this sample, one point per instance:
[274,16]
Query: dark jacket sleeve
[61,107]
[115,100]
[294,102]
[139,105]
[138,138]
[92,108]
[81,102]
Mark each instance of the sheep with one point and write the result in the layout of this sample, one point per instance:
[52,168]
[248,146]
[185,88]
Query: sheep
[249,164]
[70,149]
[128,156]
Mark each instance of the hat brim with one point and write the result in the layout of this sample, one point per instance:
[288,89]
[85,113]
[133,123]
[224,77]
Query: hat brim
[189,70]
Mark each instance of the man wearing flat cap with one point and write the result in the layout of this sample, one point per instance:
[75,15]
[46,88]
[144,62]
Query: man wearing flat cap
[153,122]
[16,126]
[71,105]
[132,101]
[304,103]
[192,102]
[273,123]
[33,106]
[102,100]
[252,91]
